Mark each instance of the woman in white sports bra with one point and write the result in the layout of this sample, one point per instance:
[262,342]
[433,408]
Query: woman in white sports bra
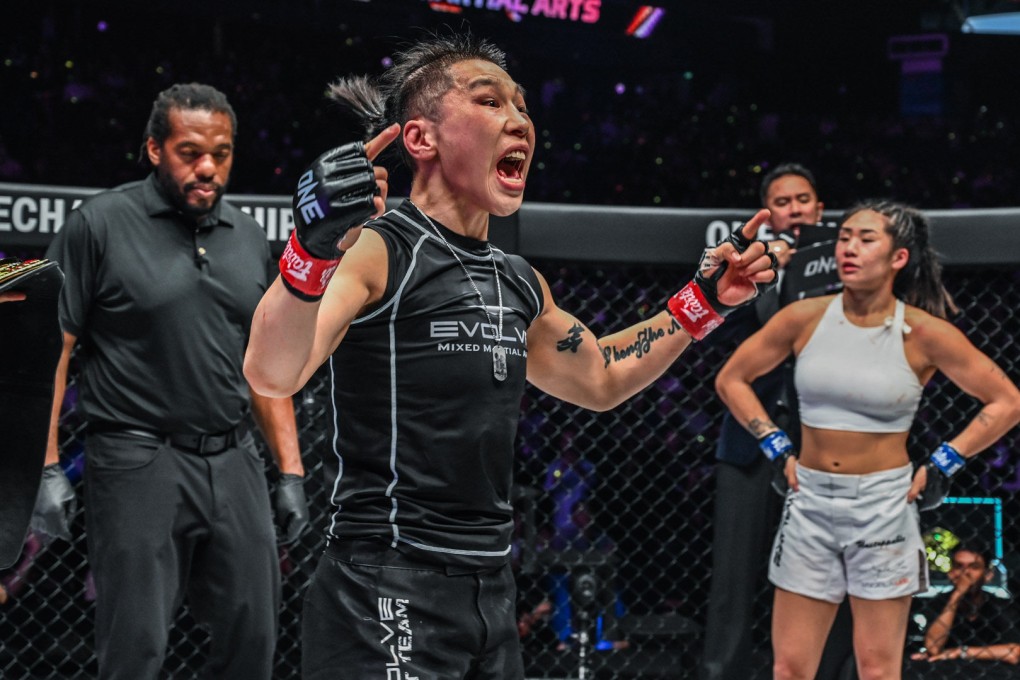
[850,523]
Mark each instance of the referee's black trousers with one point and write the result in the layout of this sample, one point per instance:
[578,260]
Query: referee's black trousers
[164,524]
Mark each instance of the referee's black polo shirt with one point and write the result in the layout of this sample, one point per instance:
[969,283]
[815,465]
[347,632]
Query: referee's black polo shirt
[162,310]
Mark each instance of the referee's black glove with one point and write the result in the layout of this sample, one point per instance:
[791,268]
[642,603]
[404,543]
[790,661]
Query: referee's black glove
[291,507]
[55,505]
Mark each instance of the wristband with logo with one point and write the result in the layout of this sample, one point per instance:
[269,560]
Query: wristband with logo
[305,275]
[775,444]
[947,459]
[693,312]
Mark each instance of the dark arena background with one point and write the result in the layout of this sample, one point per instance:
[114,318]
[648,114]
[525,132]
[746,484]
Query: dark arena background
[655,125]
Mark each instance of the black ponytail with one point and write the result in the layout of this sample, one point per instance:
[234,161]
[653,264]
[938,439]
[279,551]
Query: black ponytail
[364,99]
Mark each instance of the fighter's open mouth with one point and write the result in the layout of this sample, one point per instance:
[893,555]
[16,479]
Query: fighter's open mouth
[511,164]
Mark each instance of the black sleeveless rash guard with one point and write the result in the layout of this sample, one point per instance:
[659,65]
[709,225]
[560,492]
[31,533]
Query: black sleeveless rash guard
[424,432]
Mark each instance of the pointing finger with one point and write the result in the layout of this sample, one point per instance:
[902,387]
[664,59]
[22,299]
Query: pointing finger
[374,146]
[750,229]
[749,232]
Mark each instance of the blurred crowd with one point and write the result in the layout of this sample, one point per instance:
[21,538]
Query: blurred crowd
[76,90]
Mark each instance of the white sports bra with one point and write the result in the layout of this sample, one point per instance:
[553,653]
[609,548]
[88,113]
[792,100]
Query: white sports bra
[857,379]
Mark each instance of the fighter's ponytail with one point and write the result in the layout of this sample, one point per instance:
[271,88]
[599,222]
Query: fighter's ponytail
[364,99]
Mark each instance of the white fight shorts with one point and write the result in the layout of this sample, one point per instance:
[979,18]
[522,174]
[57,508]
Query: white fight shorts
[851,534]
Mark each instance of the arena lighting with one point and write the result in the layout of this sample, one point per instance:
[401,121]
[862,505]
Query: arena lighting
[445,7]
[645,20]
[1007,23]
[580,11]
[939,544]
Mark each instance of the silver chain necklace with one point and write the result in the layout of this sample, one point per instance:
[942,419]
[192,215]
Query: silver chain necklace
[499,367]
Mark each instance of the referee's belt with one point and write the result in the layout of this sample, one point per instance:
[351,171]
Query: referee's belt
[199,444]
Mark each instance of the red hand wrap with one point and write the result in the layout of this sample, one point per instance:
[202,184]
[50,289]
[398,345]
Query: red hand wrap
[693,312]
[305,275]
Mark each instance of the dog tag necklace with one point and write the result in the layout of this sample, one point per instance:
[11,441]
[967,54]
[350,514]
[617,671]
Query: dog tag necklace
[499,367]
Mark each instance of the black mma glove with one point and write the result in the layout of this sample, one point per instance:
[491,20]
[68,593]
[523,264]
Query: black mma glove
[335,194]
[778,448]
[291,507]
[940,465]
[55,504]
[696,306]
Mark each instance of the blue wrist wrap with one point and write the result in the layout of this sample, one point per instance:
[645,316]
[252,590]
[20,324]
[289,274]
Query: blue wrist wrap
[947,459]
[775,444]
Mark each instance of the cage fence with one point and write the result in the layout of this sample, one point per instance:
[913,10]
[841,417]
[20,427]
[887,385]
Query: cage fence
[614,510]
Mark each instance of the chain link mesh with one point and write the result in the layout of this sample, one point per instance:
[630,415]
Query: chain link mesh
[614,509]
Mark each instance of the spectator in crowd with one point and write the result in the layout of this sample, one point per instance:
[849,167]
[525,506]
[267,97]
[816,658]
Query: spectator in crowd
[850,525]
[162,278]
[529,620]
[959,159]
[431,333]
[967,623]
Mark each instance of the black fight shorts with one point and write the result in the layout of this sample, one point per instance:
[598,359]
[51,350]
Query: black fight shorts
[370,613]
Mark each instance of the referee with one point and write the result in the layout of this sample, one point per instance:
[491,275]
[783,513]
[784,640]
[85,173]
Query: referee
[162,277]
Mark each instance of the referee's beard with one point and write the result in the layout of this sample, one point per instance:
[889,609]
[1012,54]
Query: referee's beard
[178,195]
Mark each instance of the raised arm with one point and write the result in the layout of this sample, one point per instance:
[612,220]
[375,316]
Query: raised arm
[291,338]
[566,360]
[306,311]
[275,418]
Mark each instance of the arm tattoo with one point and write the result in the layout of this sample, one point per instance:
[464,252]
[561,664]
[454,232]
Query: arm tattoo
[983,418]
[572,341]
[638,348]
[758,427]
